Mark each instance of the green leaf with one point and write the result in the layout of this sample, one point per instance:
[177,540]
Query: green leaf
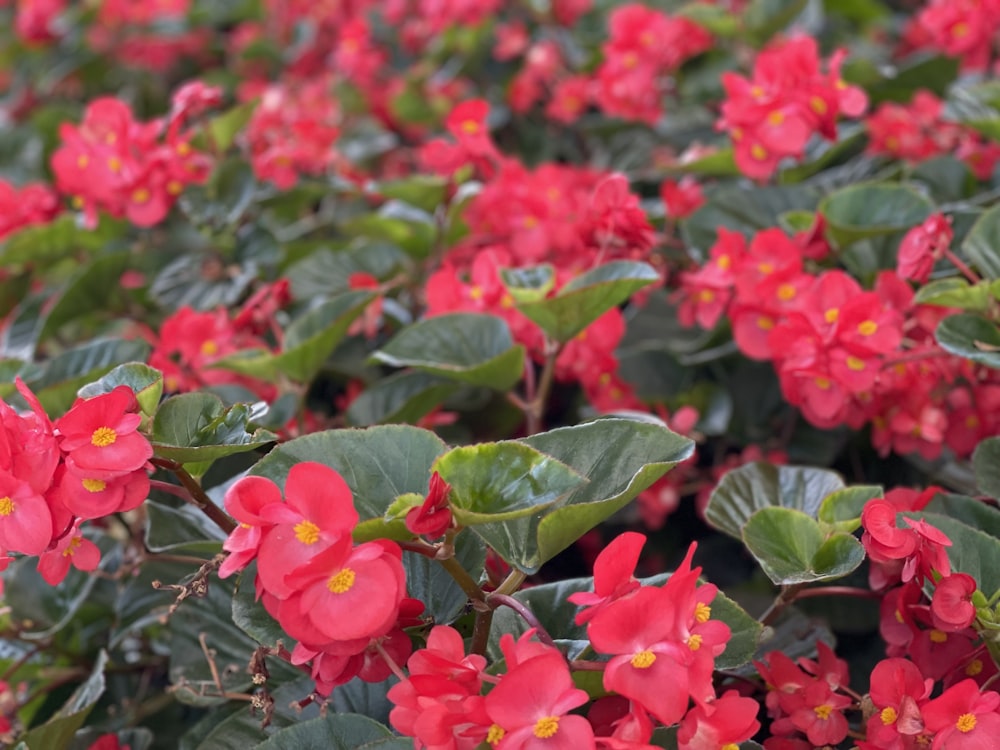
[404,397]
[199,428]
[842,508]
[494,482]
[549,604]
[529,284]
[223,129]
[765,18]
[399,223]
[620,457]
[249,614]
[337,732]
[978,106]
[986,463]
[145,381]
[426,192]
[957,292]
[982,244]
[969,510]
[972,551]
[791,547]
[970,336]
[308,342]
[57,380]
[94,287]
[57,733]
[428,581]
[378,463]
[468,347]
[745,490]
[719,163]
[872,209]
[61,238]
[184,530]
[899,84]
[947,178]
[746,211]
[588,296]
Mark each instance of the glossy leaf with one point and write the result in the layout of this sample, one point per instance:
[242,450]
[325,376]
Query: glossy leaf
[842,508]
[619,457]
[872,209]
[198,427]
[183,530]
[403,397]
[982,244]
[791,548]
[468,347]
[308,342]
[378,463]
[585,298]
[529,284]
[145,381]
[93,288]
[495,482]
[957,292]
[745,490]
[970,336]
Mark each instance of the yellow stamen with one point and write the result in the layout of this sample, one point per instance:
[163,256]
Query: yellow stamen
[546,727]
[103,437]
[341,582]
[643,660]
[307,532]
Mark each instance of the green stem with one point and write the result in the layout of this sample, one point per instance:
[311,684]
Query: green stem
[784,598]
[463,579]
[511,583]
[536,407]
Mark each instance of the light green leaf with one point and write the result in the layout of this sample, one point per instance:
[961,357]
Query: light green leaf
[495,482]
[145,381]
[529,284]
[970,336]
[404,397]
[588,296]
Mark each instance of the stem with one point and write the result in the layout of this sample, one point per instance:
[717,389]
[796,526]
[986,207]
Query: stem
[526,614]
[396,669]
[784,598]
[536,407]
[511,583]
[481,631]
[580,665]
[420,548]
[967,272]
[170,489]
[197,496]
[463,579]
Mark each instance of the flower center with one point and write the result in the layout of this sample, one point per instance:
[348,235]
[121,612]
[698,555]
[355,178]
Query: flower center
[6,506]
[975,667]
[307,532]
[966,723]
[831,315]
[823,712]
[209,348]
[867,327]
[702,612]
[547,726]
[71,547]
[694,642]
[938,636]
[341,582]
[643,660]
[856,364]
[495,734]
[94,485]
[103,437]
[888,715]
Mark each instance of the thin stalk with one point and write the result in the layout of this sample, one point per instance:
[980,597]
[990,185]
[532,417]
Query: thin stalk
[463,579]
[526,614]
[197,495]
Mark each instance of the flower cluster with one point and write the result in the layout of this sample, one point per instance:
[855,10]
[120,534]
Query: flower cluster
[115,163]
[343,603]
[788,99]
[644,47]
[89,463]
[836,347]
[918,131]
[26,206]
[966,29]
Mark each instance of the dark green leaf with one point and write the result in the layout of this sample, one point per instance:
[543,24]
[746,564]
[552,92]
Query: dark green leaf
[947,178]
[401,398]
[972,512]
[970,336]
[745,490]
[184,530]
[884,83]
[986,462]
[765,18]
[249,614]
[982,243]
[198,428]
[61,238]
[57,733]
[308,342]
[972,551]
[56,381]
[337,732]
[427,581]
[399,223]
[223,129]
[588,296]
[791,548]
[93,288]
[426,192]
[495,482]
[872,209]
[467,347]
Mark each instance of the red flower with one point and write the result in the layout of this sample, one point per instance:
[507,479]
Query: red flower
[433,517]
[73,549]
[729,720]
[922,246]
[25,519]
[951,606]
[613,575]
[100,437]
[963,718]
[898,690]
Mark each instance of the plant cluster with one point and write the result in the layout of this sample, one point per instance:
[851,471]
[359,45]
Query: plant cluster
[481,375]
